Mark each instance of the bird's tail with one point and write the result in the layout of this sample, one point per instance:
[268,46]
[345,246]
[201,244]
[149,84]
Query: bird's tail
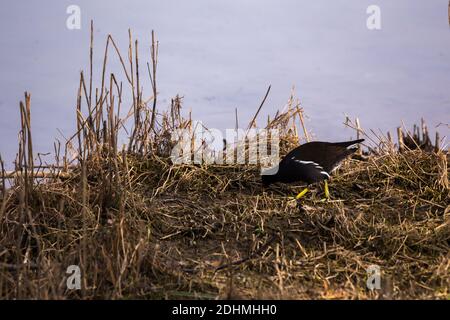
[346,151]
[348,143]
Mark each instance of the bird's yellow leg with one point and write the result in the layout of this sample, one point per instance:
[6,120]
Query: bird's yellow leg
[327,191]
[301,194]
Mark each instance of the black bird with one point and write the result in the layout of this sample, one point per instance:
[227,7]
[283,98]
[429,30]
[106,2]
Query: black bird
[311,162]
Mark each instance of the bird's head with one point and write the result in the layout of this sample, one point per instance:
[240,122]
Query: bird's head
[269,176]
[268,179]
[265,180]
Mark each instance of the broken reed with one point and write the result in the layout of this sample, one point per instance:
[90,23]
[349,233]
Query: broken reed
[419,138]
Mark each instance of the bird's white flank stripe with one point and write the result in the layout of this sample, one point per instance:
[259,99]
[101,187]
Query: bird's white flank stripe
[316,165]
[325,173]
[306,162]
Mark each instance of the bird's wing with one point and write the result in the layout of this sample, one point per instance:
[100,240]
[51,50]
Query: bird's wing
[328,156]
[308,171]
[339,155]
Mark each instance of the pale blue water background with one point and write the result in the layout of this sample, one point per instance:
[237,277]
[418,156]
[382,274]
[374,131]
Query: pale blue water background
[221,55]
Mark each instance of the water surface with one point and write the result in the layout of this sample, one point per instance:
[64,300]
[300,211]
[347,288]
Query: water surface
[222,55]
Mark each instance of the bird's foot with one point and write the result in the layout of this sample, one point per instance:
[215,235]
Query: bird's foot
[327,191]
[301,194]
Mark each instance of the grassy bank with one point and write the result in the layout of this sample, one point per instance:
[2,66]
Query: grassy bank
[140,227]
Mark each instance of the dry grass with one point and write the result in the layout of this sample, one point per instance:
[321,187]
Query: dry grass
[140,227]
